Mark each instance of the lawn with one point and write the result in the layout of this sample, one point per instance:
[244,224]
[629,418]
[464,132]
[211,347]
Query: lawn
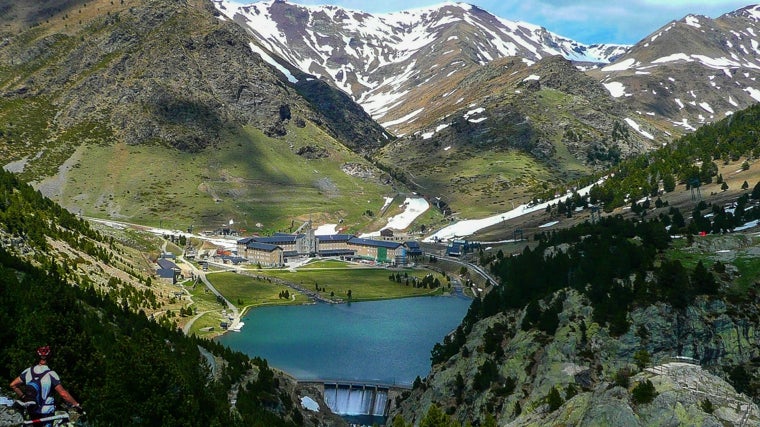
[749,270]
[326,263]
[247,291]
[364,283]
[689,257]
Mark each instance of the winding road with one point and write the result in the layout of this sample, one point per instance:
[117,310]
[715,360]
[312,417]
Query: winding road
[202,275]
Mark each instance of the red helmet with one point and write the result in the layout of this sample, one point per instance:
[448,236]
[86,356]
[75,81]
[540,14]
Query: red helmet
[43,351]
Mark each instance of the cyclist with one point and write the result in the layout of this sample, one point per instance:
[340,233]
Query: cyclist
[36,384]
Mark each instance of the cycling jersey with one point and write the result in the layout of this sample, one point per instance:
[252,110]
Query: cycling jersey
[44,380]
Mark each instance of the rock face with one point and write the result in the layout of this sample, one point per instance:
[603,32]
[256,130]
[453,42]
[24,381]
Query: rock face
[9,417]
[510,373]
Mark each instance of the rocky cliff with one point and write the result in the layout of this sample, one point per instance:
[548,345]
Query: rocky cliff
[510,373]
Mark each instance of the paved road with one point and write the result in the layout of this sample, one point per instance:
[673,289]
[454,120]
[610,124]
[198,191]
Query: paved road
[473,267]
[202,275]
[189,324]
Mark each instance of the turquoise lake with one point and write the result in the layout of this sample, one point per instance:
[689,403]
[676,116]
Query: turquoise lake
[377,341]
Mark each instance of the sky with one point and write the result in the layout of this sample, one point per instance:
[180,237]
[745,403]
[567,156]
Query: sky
[586,21]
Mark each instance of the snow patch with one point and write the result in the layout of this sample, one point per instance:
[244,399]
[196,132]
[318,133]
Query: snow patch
[693,21]
[309,404]
[616,89]
[404,119]
[413,207]
[326,229]
[638,129]
[269,60]
[468,227]
[754,93]
[673,57]
[532,77]
[620,66]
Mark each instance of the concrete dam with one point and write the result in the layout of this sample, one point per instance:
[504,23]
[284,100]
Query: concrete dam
[358,398]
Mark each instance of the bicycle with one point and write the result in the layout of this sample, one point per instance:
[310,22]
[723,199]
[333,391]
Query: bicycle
[60,418]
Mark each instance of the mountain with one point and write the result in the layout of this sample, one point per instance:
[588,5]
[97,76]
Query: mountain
[156,109]
[525,128]
[419,72]
[387,61]
[690,72]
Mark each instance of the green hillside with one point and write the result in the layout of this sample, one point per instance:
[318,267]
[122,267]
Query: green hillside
[257,181]
[158,112]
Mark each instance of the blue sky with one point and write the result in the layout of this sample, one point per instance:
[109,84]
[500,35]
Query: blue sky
[587,21]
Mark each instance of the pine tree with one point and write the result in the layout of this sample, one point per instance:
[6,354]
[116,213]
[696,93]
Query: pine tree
[554,400]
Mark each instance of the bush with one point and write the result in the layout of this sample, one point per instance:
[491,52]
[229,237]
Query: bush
[642,359]
[623,377]
[644,392]
[707,406]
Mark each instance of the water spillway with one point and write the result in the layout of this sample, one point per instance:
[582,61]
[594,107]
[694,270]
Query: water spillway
[357,399]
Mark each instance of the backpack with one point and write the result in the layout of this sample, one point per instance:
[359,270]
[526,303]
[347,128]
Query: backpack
[33,389]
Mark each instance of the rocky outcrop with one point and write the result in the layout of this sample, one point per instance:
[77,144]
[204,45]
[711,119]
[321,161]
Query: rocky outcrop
[510,372]
[682,393]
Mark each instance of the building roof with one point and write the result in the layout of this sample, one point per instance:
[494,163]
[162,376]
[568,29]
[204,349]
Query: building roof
[374,243]
[414,248]
[455,248]
[335,238]
[279,233]
[166,264]
[245,240]
[281,239]
[166,273]
[259,246]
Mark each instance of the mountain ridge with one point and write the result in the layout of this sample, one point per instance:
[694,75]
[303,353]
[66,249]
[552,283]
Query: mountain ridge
[382,60]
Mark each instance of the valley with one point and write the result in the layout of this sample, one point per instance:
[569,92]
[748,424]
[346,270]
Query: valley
[583,216]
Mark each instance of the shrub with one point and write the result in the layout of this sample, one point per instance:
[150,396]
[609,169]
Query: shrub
[644,392]
[623,377]
[707,406]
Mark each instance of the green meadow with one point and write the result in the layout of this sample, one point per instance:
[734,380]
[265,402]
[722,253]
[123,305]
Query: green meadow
[258,182]
[364,283]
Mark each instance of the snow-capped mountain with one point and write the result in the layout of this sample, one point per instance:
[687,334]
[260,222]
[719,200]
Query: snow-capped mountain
[692,71]
[385,61]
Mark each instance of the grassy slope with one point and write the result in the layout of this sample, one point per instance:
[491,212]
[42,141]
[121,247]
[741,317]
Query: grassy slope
[249,177]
